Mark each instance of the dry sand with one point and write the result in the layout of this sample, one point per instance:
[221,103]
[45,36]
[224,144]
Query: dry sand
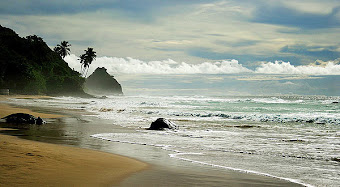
[30,163]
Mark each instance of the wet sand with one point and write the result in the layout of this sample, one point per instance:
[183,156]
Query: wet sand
[162,170]
[31,163]
[6,109]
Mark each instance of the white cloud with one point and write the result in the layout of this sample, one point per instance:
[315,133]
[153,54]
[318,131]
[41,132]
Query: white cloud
[312,6]
[134,66]
[280,67]
[130,65]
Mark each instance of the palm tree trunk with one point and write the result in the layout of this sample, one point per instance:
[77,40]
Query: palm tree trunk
[82,70]
[87,72]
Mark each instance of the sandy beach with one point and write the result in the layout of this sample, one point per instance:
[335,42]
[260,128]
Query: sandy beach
[31,163]
[6,109]
[91,162]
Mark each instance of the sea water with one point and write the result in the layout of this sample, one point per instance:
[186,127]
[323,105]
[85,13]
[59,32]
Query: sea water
[296,138]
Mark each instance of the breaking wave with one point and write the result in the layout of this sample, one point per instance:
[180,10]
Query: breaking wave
[278,118]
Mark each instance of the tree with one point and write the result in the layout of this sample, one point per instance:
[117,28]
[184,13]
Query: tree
[63,49]
[34,39]
[86,60]
[29,66]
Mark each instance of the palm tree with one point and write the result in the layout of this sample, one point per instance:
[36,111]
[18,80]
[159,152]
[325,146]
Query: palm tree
[63,49]
[86,59]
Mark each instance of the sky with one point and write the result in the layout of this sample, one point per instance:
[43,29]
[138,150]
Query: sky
[188,37]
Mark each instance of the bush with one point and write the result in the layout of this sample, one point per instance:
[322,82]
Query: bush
[36,85]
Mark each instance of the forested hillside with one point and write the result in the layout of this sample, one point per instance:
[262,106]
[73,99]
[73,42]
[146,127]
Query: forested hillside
[29,66]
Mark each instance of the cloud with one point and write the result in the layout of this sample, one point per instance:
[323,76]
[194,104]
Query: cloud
[134,66]
[207,53]
[320,52]
[247,59]
[238,43]
[280,67]
[145,9]
[38,7]
[129,65]
[191,31]
[280,14]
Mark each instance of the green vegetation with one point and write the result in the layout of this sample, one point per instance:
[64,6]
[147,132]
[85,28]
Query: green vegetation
[29,66]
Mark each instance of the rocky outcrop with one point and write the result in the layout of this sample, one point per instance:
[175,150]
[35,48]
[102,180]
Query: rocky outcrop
[100,82]
[22,118]
[161,124]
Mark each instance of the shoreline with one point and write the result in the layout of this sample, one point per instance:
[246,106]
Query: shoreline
[162,170]
[26,162]
[6,109]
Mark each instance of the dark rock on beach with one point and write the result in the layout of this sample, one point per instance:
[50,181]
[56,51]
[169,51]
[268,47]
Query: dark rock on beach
[310,121]
[161,124]
[335,159]
[22,118]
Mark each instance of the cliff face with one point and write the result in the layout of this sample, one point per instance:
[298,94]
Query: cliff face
[100,82]
[29,66]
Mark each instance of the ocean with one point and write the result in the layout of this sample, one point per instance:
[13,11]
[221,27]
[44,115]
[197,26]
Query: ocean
[293,137]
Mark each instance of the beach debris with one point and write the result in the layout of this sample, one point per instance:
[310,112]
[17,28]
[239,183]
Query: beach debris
[105,110]
[310,121]
[22,118]
[161,124]
[294,140]
[246,126]
[120,110]
[243,126]
[335,159]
